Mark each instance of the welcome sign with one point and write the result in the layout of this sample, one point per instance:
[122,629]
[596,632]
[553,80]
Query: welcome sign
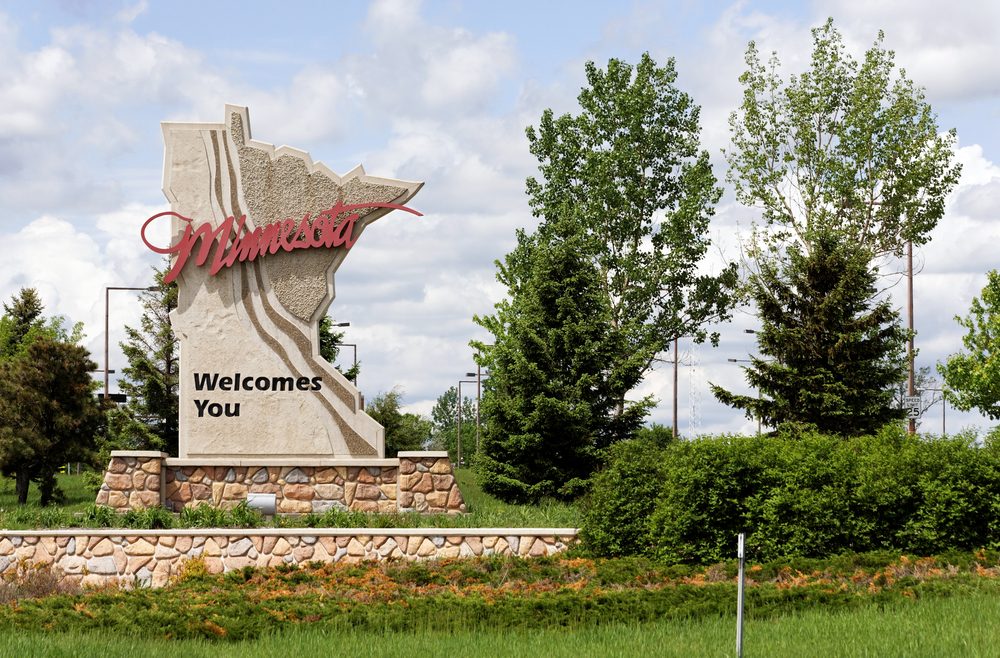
[257,235]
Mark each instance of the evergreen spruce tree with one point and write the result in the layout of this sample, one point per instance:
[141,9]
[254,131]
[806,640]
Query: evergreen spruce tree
[149,419]
[830,353]
[48,414]
[550,397]
[22,318]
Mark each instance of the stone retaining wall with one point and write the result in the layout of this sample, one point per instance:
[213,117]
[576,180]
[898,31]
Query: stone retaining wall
[99,557]
[413,482]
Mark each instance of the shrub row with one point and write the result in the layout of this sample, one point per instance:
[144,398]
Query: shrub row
[474,594]
[807,495]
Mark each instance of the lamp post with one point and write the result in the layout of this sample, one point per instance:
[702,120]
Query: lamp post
[107,342]
[758,390]
[479,397]
[458,440]
[354,353]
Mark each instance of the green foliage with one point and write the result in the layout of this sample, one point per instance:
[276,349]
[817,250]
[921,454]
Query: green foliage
[444,433]
[610,277]
[209,516]
[48,414]
[550,402]
[330,342]
[829,353]
[623,496]
[403,431]
[149,420]
[628,172]
[802,494]
[473,595]
[656,434]
[973,377]
[879,625]
[846,146]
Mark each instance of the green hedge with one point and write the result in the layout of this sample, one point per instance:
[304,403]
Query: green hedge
[806,495]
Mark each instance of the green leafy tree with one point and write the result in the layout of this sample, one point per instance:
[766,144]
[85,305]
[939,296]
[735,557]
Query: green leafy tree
[48,413]
[444,416]
[829,353]
[403,431]
[149,420]
[973,376]
[330,342]
[846,146]
[549,401]
[628,173]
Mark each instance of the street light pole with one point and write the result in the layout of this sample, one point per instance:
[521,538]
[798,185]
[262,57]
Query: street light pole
[479,400]
[354,351]
[458,440]
[107,342]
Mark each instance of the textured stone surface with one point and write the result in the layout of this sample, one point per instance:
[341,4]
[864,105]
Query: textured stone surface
[151,560]
[422,484]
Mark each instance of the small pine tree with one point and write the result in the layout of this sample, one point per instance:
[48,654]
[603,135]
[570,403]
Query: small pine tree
[829,353]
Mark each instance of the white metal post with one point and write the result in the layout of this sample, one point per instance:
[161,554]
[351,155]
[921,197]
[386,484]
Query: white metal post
[740,553]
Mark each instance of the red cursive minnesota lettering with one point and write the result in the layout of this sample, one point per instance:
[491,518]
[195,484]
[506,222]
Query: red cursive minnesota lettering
[231,243]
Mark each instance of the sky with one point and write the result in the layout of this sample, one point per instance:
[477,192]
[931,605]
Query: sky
[439,92]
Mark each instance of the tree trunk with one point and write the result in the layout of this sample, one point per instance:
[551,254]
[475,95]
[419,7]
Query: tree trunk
[22,482]
[47,488]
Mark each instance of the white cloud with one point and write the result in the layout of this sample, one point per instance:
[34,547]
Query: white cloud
[949,50]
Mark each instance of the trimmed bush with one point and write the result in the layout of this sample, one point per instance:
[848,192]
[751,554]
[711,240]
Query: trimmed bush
[795,495]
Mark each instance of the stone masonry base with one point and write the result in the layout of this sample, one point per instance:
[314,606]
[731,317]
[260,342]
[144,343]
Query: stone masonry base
[129,558]
[413,482]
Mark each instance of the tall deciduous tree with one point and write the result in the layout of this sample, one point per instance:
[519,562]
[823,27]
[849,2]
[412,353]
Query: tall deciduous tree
[550,397]
[149,420]
[628,172]
[846,146]
[973,376]
[829,352]
[403,431]
[444,416]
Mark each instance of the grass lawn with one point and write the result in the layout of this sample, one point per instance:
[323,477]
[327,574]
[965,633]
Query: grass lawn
[961,625]
[485,511]
[77,495]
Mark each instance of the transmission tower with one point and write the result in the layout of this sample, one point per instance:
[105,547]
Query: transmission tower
[694,392]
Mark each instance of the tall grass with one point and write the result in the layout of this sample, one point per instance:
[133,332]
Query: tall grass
[957,626]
